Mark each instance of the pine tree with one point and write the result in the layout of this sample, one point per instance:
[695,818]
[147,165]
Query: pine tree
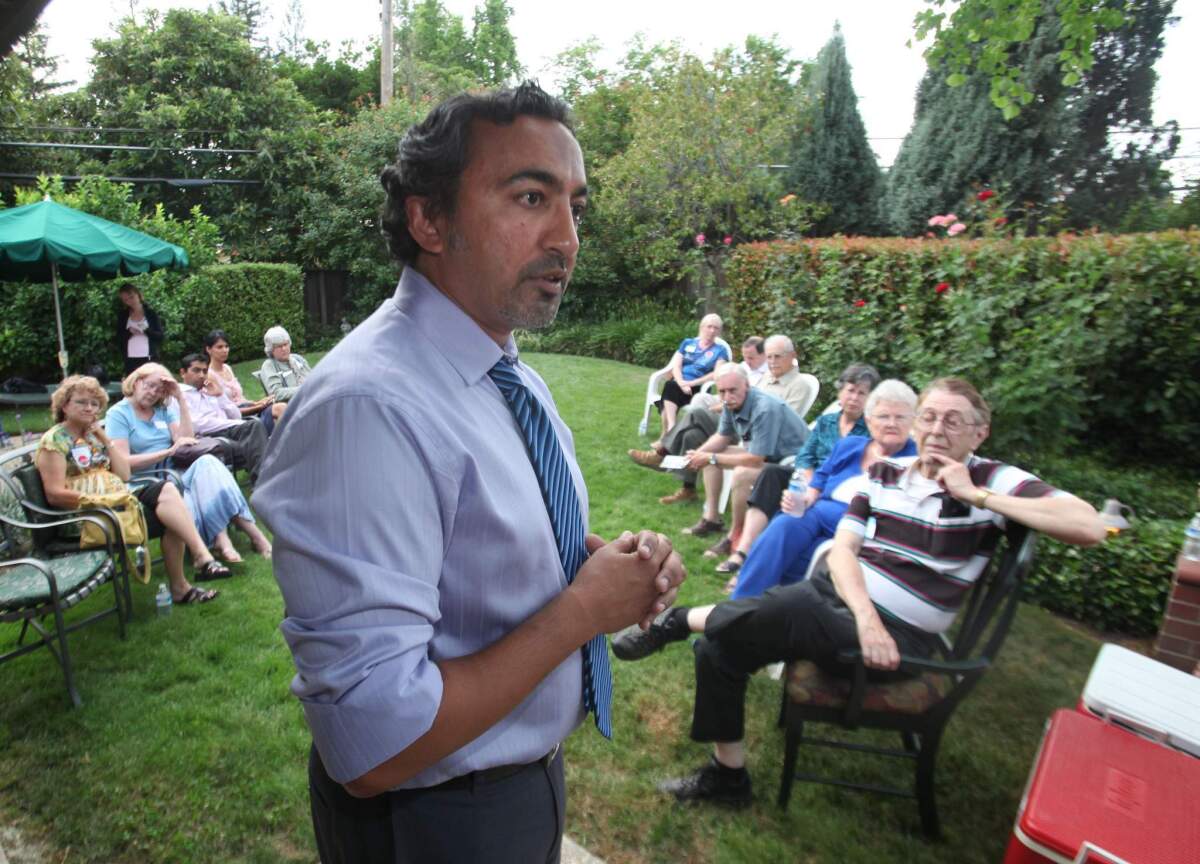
[831,162]
[1056,154]
[250,11]
[493,49]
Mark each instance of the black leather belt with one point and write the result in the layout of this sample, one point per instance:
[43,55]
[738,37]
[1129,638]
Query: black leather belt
[493,774]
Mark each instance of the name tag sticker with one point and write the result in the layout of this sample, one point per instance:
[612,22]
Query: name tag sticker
[82,456]
[160,424]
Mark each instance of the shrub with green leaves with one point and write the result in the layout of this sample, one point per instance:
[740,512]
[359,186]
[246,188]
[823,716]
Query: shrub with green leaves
[1120,585]
[241,299]
[1087,340]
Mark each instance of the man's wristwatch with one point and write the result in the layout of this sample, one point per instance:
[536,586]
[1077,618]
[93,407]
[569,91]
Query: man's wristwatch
[712,460]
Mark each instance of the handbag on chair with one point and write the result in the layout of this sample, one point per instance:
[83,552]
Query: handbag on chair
[101,489]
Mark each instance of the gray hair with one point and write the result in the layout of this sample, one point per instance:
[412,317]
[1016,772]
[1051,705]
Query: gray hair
[275,336]
[732,369]
[789,346]
[891,390]
[712,316]
[859,373]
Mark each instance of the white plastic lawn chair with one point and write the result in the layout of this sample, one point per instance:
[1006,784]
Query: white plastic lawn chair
[657,379]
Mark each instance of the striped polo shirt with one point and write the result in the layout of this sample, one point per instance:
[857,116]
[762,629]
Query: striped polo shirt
[922,547]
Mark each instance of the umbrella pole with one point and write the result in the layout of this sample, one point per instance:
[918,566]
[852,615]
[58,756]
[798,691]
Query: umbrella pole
[62,348]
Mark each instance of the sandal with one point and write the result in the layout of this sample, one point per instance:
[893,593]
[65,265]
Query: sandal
[196,595]
[214,569]
[733,563]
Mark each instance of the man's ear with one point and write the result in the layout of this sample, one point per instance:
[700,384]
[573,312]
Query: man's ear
[982,432]
[427,231]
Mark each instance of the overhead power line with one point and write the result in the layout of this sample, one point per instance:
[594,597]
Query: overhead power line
[50,145]
[178,182]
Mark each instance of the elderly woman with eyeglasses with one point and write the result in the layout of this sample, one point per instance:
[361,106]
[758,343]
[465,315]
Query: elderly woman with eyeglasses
[282,372]
[782,553]
[77,443]
[148,426]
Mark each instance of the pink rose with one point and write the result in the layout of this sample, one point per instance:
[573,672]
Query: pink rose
[728,239]
[956,228]
[700,239]
[936,221]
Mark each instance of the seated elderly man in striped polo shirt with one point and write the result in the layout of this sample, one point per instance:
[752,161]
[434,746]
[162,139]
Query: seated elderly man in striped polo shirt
[911,543]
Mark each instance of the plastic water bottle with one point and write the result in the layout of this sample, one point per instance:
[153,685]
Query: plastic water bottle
[798,489]
[1191,539]
[162,600]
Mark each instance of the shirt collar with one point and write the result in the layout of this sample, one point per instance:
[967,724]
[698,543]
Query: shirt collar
[747,408]
[454,334]
[785,377]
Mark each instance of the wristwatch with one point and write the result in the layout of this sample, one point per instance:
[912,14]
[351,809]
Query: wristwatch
[712,460]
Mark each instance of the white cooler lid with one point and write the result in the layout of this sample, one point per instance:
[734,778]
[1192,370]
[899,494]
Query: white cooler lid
[1147,696]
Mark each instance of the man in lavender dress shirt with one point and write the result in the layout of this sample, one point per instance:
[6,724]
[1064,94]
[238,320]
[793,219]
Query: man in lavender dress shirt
[215,415]
[435,636]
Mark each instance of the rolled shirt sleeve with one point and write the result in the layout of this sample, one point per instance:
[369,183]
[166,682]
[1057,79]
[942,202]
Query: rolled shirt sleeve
[360,584]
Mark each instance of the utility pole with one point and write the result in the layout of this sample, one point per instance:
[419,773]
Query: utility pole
[385,59]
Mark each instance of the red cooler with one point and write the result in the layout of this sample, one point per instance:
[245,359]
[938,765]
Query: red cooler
[1099,794]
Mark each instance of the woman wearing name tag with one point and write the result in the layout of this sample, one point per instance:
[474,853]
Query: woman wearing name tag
[77,445]
[148,426]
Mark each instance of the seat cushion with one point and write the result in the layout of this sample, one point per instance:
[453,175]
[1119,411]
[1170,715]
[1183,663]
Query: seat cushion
[808,683]
[24,587]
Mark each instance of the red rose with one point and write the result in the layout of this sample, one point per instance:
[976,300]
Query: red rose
[985,195]
[942,287]
[860,303]
[1001,221]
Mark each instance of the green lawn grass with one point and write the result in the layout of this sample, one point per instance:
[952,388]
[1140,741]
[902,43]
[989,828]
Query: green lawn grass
[190,748]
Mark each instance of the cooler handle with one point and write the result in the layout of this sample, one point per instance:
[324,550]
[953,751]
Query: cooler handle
[1090,853]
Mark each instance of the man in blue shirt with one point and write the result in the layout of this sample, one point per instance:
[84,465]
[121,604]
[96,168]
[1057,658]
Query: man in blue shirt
[435,629]
[768,430]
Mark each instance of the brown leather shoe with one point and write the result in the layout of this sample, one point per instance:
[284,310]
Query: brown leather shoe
[684,493]
[703,528]
[719,549]
[646,458]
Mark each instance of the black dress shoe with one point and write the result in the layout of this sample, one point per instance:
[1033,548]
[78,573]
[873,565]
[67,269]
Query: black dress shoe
[714,783]
[634,643]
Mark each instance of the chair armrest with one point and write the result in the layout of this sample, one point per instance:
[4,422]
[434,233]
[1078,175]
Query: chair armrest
[105,521]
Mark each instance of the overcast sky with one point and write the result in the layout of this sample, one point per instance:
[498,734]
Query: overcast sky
[885,70]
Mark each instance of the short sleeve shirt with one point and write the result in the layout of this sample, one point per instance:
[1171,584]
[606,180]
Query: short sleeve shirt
[144,436]
[698,361]
[766,425]
[922,548]
[82,454]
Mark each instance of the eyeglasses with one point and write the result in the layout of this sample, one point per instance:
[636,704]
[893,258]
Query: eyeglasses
[889,419]
[952,421]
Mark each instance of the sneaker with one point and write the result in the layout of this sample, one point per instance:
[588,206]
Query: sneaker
[634,643]
[704,527]
[646,458]
[714,783]
[685,493]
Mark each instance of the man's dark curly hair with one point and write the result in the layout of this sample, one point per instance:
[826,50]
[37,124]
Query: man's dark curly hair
[433,154]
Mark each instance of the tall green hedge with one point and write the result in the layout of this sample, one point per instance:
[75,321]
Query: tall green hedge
[1075,340]
[242,299]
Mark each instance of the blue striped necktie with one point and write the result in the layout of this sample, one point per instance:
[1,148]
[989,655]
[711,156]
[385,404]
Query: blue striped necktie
[562,504]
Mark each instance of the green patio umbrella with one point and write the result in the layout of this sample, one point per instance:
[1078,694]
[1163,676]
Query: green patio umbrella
[47,241]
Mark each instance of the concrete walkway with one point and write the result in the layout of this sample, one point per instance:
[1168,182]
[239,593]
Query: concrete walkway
[572,852]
